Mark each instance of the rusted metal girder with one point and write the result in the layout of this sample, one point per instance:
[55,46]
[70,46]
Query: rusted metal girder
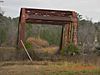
[47,16]
[71,31]
[68,20]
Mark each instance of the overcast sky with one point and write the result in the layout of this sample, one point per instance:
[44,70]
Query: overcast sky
[87,8]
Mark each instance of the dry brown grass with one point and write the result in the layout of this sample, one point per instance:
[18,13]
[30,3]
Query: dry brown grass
[44,68]
[37,42]
[48,50]
[42,46]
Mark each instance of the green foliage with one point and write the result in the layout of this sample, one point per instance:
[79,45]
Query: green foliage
[79,17]
[71,49]
[28,30]
[9,26]
[52,35]
[28,45]
[31,51]
[3,37]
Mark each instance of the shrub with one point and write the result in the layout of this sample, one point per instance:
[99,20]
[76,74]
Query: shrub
[71,49]
[30,50]
[28,45]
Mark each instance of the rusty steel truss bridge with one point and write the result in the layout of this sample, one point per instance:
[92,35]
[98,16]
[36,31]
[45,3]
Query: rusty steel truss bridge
[67,19]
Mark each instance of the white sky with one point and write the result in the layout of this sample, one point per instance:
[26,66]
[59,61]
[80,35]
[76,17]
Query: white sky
[87,8]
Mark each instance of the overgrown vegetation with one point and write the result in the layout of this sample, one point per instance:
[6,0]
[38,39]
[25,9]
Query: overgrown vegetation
[28,45]
[51,33]
[86,32]
[71,49]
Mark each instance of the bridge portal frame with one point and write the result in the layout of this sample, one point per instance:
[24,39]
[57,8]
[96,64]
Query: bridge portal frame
[67,19]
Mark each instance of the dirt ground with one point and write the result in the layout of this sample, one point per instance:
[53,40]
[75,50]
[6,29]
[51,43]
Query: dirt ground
[45,68]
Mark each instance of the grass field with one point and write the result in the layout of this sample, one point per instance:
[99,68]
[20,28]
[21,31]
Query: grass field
[75,65]
[47,68]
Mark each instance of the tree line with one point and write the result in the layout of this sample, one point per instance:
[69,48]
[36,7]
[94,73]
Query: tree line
[87,32]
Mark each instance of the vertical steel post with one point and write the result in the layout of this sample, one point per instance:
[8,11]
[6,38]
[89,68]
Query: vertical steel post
[21,28]
[62,34]
[71,31]
[66,34]
[75,23]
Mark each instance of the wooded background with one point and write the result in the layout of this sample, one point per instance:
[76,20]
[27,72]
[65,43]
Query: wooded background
[87,32]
